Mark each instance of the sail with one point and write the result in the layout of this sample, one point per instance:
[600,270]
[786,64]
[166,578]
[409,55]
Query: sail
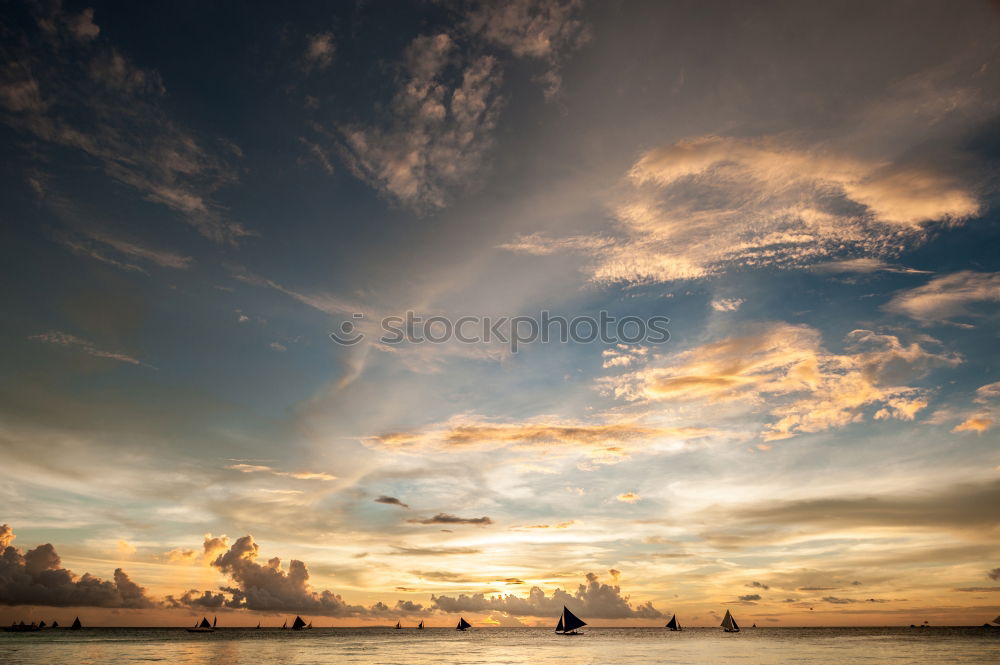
[204,623]
[285,625]
[55,624]
[399,625]
[559,626]
[729,623]
[421,624]
[672,624]
[570,621]
[42,624]
[463,624]
[215,620]
[997,620]
[298,624]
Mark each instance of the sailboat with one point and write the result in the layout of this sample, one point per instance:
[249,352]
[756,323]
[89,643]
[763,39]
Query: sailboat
[463,624]
[398,625]
[76,624]
[203,627]
[673,624]
[55,624]
[258,625]
[299,624]
[42,624]
[729,624]
[997,621]
[420,626]
[284,625]
[569,623]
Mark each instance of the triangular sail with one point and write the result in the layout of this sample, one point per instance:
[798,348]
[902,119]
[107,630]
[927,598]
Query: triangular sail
[463,624]
[570,621]
[55,624]
[76,624]
[42,624]
[215,621]
[204,623]
[421,624]
[559,626]
[729,623]
[997,620]
[399,625]
[298,624]
[672,624]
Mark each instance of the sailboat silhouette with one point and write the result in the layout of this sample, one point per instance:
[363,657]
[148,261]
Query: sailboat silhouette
[569,623]
[203,627]
[673,624]
[729,624]
[463,624]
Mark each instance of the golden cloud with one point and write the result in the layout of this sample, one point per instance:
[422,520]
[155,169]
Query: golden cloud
[807,388]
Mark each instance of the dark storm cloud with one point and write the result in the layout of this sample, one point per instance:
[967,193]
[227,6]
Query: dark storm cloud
[445,518]
[36,577]
[392,501]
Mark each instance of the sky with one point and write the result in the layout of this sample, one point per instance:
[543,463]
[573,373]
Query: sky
[197,199]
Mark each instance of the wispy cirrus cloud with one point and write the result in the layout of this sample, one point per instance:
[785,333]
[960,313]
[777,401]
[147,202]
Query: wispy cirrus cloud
[58,338]
[298,475]
[118,252]
[948,296]
[118,119]
[445,518]
[601,442]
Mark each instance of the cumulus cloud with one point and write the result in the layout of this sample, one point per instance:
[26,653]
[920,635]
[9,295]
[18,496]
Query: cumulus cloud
[445,518]
[440,126]
[72,341]
[270,587]
[805,387]
[319,50]
[606,443]
[948,296]
[36,577]
[113,101]
[540,29]
[392,501]
[593,599]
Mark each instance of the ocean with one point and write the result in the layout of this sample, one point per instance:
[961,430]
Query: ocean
[528,646]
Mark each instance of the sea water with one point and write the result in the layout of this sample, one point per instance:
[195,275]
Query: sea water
[528,646]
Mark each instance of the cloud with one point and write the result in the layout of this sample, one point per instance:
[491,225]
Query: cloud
[439,130]
[269,587]
[592,599]
[540,29]
[445,518]
[113,102]
[979,419]
[862,265]
[758,585]
[947,296]
[785,368]
[278,346]
[974,424]
[319,50]
[607,443]
[993,574]
[628,497]
[36,577]
[299,475]
[71,341]
[847,601]
[750,597]
[960,507]
[391,500]
[727,304]
[122,254]
[433,551]
[705,204]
